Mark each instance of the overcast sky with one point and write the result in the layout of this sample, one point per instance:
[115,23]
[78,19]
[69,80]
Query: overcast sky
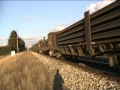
[35,19]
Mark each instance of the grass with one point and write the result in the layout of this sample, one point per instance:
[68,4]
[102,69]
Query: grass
[24,72]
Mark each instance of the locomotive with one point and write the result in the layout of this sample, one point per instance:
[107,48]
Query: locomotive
[95,37]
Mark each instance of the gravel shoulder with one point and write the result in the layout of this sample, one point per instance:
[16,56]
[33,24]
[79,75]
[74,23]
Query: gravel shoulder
[75,78]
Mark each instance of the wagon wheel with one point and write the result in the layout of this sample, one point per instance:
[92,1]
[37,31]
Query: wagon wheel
[114,61]
[117,61]
[111,61]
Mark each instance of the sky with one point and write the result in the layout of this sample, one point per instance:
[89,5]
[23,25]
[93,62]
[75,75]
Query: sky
[35,19]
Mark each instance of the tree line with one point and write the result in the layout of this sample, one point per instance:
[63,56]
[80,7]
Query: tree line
[35,47]
[12,44]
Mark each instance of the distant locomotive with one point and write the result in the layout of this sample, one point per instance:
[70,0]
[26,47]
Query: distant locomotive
[95,36]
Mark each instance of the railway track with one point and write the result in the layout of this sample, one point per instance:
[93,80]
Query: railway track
[97,66]
[100,66]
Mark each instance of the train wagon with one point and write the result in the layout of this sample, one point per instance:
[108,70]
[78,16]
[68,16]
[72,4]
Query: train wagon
[43,46]
[95,36]
[53,49]
[49,46]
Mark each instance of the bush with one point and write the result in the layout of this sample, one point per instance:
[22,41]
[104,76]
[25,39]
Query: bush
[4,50]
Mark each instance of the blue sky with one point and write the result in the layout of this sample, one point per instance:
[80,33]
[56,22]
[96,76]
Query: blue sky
[35,19]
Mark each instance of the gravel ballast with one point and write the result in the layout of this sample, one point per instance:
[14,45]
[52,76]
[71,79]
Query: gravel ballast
[75,78]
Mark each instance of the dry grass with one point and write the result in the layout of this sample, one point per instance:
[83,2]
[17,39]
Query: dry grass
[24,72]
[1,57]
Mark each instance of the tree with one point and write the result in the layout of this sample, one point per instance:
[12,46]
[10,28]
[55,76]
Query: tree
[12,42]
[21,44]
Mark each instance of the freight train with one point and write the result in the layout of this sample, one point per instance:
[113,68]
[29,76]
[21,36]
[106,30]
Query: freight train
[96,37]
